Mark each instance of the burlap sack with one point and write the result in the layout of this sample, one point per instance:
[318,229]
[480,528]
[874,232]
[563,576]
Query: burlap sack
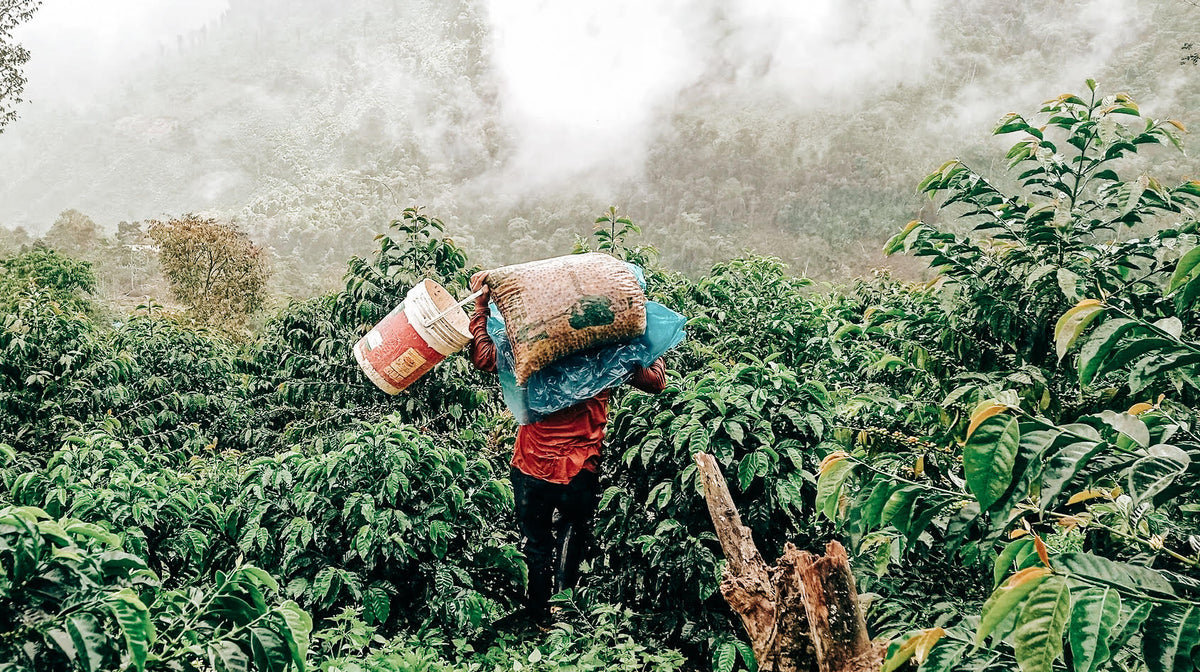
[556,307]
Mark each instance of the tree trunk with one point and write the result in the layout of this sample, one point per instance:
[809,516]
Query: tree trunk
[802,615]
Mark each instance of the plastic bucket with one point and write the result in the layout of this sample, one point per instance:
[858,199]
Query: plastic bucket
[412,339]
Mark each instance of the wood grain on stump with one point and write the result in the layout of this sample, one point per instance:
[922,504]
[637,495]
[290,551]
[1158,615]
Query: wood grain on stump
[802,615]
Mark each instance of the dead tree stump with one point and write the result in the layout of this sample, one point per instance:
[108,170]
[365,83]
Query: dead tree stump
[802,615]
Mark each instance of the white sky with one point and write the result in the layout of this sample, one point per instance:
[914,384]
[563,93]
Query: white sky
[81,47]
[583,85]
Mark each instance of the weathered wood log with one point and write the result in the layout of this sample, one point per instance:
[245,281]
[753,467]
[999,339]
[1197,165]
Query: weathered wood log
[747,586]
[802,615]
[795,650]
[838,630]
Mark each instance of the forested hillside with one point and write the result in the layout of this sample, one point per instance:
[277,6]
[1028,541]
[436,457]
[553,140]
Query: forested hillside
[1008,450]
[309,128]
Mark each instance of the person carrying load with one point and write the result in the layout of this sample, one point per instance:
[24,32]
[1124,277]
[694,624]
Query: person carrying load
[554,468]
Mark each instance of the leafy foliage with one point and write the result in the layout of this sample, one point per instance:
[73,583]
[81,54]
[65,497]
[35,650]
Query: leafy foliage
[13,57]
[1009,450]
[68,281]
[73,599]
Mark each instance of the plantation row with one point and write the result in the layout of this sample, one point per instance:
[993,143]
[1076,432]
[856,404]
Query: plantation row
[1009,452]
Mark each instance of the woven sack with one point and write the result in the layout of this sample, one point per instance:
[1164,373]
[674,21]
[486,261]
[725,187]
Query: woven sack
[557,307]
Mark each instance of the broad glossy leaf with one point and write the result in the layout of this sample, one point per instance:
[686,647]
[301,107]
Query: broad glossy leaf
[948,655]
[261,577]
[988,458]
[753,465]
[1073,322]
[1094,614]
[898,507]
[1134,578]
[829,486]
[377,606]
[871,509]
[1128,425]
[134,620]
[64,643]
[1185,269]
[1007,597]
[227,656]
[1038,636]
[1004,562]
[271,652]
[297,626]
[1170,634]
[1063,466]
[897,242]
[1150,475]
[724,657]
[1150,369]
[917,646]
[982,412]
[90,641]
[1100,345]
[1131,623]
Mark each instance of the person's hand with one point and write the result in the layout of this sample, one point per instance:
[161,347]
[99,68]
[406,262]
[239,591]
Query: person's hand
[477,285]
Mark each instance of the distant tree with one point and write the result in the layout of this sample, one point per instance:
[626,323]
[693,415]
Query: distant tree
[12,57]
[73,233]
[213,268]
[12,240]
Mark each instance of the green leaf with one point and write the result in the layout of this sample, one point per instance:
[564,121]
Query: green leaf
[898,509]
[947,655]
[377,605]
[297,626]
[1150,475]
[735,431]
[1038,636]
[1004,562]
[89,640]
[1185,270]
[1131,623]
[829,487]
[648,448]
[898,241]
[1146,371]
[724,657]
[988,458]
[747,655]
[1068,283]
[1133,578]
[227,656]
[1093,616]
[134,619]
[63,641]
[1006,598]
[271,652]
[261,577]
[1128,425]
[1073,322]
[1170,634]
[752,465]
[1063,466]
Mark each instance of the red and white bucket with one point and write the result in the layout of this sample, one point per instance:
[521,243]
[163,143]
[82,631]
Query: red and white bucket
[426,328]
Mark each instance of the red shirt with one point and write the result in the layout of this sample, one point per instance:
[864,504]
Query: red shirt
[560,445]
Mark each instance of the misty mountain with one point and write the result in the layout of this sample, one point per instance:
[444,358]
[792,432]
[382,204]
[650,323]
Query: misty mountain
[797,131]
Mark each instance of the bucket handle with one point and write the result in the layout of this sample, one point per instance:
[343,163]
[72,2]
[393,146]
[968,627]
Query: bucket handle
[447,311]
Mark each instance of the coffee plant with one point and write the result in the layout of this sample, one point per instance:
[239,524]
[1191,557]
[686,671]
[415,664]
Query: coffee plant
[1009,450]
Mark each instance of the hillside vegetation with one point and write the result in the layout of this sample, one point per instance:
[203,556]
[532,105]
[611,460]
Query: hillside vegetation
[313,128]
[1009,451]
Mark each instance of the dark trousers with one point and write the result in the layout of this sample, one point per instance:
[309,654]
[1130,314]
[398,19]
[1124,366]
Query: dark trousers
[556,522]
